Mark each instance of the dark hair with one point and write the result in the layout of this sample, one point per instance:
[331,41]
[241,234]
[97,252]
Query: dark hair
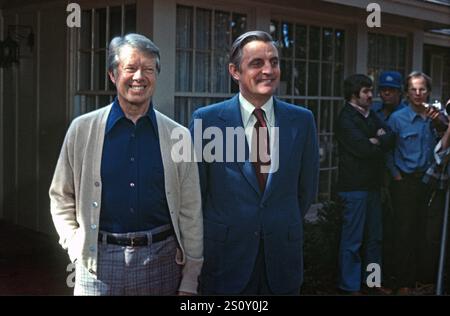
[417,74]
[140,42]
[354,83]
[238,45]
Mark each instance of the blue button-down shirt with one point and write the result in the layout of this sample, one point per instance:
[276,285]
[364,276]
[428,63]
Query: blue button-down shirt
[133,193]
[415,141]
[377,108]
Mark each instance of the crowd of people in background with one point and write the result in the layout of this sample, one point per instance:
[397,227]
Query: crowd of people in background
[390,183]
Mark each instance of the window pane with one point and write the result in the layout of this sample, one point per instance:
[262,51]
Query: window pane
[222,31]
[221,76]
[300,78]
[84,71]
[373,50]
[327,44]
[300,41]
[99,71]
[326,80]
[130,18]
[184,71]
[287,41]
[325,116]
[182,110]
[203,29]
[401,52]
[286,77]
[238,25]
[313,79]
[274,30]
[85,31]
[115,22]
[338,80]
[339,45]
[202,71]
[314,43]
[184,27]
[325,148]
[100,28]
[384,50]
[313,105]
[393,53]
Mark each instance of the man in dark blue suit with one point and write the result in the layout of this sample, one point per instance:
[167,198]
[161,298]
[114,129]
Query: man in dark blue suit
[255,196]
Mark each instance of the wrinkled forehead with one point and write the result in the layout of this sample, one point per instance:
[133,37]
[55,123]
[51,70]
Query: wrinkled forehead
[262,47]
[417,82]
[131,54]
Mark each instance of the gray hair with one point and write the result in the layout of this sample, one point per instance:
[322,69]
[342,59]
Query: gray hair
[418,74]
[140,42]
[242,40]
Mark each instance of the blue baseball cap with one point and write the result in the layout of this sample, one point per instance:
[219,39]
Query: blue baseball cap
[391,79]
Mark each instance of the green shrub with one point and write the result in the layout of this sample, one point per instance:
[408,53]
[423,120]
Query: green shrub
[321,250]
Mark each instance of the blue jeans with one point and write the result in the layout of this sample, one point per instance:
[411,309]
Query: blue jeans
[362,226]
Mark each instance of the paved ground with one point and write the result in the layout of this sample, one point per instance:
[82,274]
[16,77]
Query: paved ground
[31,263]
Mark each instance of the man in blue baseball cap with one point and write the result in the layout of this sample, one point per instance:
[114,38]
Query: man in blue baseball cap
[390,89]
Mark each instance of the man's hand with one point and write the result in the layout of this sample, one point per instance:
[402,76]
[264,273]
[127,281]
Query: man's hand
[439,120]
[381,132]
[374,141]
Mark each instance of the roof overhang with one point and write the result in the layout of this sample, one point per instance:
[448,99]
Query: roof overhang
[433,12]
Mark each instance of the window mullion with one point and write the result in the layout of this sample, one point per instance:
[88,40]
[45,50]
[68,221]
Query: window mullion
[106,48]
[91,74]
[194,50]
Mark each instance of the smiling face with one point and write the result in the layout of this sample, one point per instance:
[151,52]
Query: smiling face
[259,73]
[135,78]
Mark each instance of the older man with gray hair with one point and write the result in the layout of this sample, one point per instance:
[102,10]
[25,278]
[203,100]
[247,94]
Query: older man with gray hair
[129,216]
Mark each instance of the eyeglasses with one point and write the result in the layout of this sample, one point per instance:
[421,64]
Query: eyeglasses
[418,91]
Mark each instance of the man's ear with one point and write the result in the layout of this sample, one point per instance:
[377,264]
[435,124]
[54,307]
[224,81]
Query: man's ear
[111,76]
[234,72]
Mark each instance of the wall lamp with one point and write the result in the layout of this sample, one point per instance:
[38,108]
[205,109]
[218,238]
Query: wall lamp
[10,47]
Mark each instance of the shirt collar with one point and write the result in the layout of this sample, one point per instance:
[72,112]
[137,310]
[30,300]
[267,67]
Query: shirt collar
[117,114]
[411,113]
[360,110]
[247,111]
[378,107]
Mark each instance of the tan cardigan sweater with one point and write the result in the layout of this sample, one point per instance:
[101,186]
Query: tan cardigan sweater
[75,195]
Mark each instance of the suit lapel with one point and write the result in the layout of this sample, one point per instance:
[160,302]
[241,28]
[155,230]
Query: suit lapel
[286,135]
[231,115]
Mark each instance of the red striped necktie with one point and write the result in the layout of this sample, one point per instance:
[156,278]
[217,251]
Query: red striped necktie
[261,148]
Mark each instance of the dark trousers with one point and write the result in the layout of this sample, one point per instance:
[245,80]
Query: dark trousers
[258,283]
[411,226]
[388,250]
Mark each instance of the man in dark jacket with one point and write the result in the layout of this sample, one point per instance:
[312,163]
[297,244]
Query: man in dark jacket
[363,139]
